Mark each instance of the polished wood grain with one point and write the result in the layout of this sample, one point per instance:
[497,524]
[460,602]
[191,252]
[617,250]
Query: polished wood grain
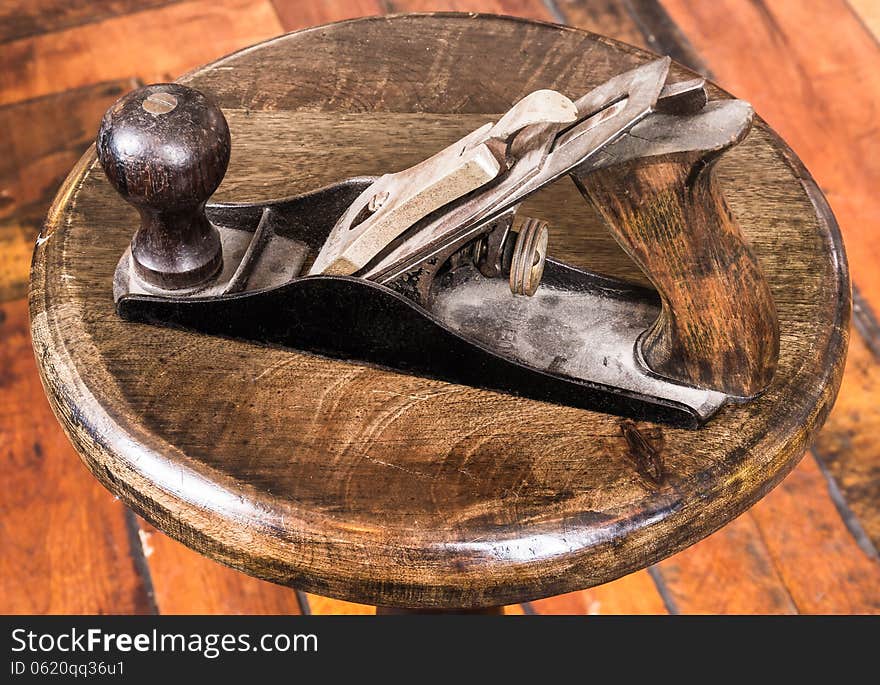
[344,475]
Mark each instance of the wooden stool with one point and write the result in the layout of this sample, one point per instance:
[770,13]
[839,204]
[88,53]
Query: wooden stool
[374,486]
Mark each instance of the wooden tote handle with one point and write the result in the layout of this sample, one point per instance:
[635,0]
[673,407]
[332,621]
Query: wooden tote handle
[717,328]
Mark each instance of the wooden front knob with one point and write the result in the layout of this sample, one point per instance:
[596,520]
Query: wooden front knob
[165,149]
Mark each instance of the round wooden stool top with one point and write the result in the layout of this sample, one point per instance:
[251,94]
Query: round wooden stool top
[380,487]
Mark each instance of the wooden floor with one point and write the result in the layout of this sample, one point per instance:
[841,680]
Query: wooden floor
[812,70]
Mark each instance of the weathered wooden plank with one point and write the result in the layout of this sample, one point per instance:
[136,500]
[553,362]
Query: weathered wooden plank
[868,12]
[632,594]
[848,446]
[295,14]
[319,605]
[185,582]
[47,136]
[155,45]
[799,64]
[16,248]
[531,9]
[22,18]
[643,23]
[662,35]
[730,572]
[822,565]
[66,547]
[607,17]
[813,72]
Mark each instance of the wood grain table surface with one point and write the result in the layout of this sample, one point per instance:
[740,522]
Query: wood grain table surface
[809,547]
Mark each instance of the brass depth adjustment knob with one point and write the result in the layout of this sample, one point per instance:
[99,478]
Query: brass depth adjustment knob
[529,257]
[165,149]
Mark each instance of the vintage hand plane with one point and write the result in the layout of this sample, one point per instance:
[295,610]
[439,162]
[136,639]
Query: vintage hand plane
[430,270]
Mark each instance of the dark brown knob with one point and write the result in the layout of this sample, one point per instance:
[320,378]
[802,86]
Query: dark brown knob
[165,149]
